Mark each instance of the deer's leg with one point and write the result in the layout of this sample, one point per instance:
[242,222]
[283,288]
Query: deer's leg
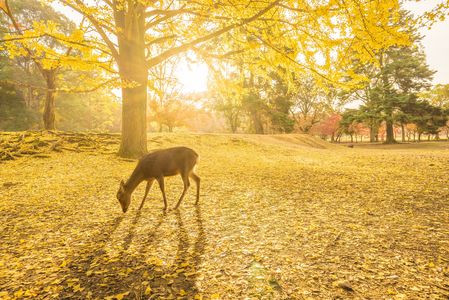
[147,189]
[185,179]
[160,180]
[197,180]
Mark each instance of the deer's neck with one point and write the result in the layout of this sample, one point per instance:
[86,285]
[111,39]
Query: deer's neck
[134,180]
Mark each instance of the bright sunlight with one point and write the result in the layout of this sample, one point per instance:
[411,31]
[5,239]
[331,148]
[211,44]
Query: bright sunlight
[193,77]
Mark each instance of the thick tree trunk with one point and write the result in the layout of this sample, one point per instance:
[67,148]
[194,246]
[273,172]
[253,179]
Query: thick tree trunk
[134,135]
[134,75]
[390,133]
[49,108]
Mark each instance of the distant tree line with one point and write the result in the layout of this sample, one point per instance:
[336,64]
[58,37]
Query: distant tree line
[270,104]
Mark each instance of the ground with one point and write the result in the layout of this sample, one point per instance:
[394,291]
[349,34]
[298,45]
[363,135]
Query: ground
[280,217]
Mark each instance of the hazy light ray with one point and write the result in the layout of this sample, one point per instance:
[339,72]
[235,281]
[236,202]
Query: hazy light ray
[192,77]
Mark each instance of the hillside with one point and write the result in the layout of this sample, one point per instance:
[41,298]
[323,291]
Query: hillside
[280,217]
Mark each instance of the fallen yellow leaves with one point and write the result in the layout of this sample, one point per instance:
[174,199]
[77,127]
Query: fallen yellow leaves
[117,296]
[148,290]
[277,220]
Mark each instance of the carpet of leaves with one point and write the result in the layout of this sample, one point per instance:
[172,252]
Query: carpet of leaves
[279,218]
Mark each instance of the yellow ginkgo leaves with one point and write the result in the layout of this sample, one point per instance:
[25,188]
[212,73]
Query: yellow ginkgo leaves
[280,217]
[120,296]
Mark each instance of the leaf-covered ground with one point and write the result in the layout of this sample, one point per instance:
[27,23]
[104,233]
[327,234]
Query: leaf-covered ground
[280,217]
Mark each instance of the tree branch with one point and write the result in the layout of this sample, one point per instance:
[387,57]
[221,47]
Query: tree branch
[74,91]
[176,50]
[97,25]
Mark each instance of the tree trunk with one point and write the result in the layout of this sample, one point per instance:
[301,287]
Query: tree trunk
[338,139]
[233,127]
[372,134]
[258,126]
[390,133]
[134,75]
[403,132]
[134,136]
[233,122]
[49,108]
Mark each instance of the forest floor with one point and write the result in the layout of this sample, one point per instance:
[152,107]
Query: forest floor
[280,217]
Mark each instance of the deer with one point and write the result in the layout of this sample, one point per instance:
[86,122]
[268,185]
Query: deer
[157,165]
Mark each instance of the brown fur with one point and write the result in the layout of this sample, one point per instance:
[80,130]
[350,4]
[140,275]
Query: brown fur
[157,165]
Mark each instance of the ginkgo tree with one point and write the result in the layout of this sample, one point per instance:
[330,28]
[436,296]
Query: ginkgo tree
[302,34]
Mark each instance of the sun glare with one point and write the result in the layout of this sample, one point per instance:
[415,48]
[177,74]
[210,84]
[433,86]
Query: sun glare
[193,77]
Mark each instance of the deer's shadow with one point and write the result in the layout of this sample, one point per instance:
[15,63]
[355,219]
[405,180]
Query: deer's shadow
[188,256]
[97,273]
[179,278]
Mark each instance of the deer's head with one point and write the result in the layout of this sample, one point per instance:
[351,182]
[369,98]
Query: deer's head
[123,197]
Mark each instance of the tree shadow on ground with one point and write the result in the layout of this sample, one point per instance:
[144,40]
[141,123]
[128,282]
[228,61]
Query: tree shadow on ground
[93,272]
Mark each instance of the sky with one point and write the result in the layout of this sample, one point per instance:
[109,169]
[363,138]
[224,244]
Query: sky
[435,42]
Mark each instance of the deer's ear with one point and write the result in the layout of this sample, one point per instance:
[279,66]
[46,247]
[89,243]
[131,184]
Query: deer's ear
[122,185]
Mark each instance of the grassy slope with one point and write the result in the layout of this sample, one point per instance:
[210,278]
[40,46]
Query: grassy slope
[283,217]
